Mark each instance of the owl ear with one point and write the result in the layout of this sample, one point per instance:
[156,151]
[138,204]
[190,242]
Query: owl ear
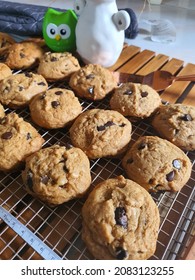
[79,6]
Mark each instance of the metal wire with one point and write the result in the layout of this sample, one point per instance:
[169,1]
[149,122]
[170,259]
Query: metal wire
[60,227]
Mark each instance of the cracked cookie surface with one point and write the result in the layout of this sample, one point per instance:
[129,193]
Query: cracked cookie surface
[55,108]
[92,82]
[101,133]
[120,221]
[57,66]
[17,90]
[135,100]
[57,174]
[157,164]
[176,123]
[18,139]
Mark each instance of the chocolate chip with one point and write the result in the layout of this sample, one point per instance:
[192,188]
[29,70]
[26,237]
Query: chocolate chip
[176,163]
[55,104]
[121,253]
[7,135]
[129,161]
[53,58]
[28,136]
[121,217]
[128,92]
[90,76]
[29,179]
[122,125]
[144,93]
[20,88]
[91,89]
[151,181]
[186,118]
[170,176]
[142,146]
[29,75]
[22,55]
[41,84]
[59,92]
[103,127]
[44,179]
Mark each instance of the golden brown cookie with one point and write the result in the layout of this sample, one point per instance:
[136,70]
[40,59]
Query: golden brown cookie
[5,41]
[120,221]
[93,82]
[55,108]
[5,71]
[57,174]
[57,66]
[135,100]
[23,55]
[101,133]
[176,123]
[18,139]
[17,90]
[157,165]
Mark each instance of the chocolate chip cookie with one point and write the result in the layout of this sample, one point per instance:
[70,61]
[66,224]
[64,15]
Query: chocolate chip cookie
[17,90]
[57,174]
[157,164]
[23,55]
[93,82]
[101,133]
[57,66]
[5,41]
[176,123]
[55,108]
[18,139]
[5,71]
[120,221]
[135,100]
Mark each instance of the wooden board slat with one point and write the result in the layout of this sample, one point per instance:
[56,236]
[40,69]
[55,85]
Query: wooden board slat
[173,66]
[133,65]
[190,98]
[127,53]
[173,92]
[156,63]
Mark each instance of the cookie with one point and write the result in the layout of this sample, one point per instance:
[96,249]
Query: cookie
[17,90]
[18,139]
[57,66]
[93,82]
[157,164]
[176,123]
[120,221]
[23,55]
[5,71]
[5,41]
[55,108]
[57,174]
[2,112]
[135,100]
[101,133]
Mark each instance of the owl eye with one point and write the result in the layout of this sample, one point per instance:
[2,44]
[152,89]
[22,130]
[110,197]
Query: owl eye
[51,30]
[64,31]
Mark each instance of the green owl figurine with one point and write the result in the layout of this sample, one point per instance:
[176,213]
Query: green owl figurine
[59,30]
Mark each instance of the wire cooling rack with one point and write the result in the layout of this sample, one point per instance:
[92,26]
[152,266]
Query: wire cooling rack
[60,227]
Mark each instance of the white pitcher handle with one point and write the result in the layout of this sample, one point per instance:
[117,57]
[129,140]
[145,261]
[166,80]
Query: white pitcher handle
[122,20]
[79,6]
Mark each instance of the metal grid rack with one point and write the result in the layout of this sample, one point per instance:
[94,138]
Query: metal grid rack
[60,227]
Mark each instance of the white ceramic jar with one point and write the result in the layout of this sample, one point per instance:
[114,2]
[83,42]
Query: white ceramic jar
[100,31]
